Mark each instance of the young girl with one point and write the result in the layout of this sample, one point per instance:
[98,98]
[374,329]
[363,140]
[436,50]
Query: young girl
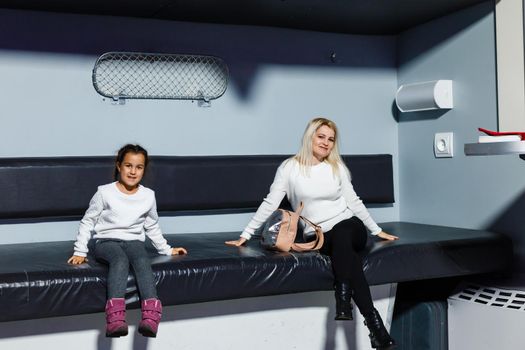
[120,215]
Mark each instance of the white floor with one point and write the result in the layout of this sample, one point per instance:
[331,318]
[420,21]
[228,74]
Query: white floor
[295,321]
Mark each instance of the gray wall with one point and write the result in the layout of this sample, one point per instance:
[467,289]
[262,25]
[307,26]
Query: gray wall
[280,79]
[465,191]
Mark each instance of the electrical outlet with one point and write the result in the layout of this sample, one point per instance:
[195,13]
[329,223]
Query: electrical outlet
[444,145]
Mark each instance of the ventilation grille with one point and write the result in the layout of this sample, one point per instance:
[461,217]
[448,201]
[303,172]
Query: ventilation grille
[159,76]
[491,296]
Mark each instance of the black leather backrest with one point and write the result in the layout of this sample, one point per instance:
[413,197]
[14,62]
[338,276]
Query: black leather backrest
[41,188]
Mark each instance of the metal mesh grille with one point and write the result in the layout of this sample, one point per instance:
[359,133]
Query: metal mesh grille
[159,76]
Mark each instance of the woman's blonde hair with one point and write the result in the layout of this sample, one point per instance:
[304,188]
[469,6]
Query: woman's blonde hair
[305,155]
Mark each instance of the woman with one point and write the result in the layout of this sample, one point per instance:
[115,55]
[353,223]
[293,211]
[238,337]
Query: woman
[318,177]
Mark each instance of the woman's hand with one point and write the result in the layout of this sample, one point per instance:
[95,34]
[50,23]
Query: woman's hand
[178,251]
[387,236]
[237,243]
[77,260]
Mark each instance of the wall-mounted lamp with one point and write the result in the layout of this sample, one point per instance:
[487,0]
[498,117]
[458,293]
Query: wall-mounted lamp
[425,96]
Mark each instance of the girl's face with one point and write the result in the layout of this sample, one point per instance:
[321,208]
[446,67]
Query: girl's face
[323,142]
[132,169]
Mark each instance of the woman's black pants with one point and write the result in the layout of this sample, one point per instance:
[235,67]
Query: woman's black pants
[343,244]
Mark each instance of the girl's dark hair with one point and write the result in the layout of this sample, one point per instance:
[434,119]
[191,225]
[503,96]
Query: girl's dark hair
[129,148]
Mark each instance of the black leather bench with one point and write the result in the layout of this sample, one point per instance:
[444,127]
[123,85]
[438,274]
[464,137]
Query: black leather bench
[36,281]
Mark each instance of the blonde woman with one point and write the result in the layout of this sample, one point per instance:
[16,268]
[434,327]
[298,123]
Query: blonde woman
[317,176]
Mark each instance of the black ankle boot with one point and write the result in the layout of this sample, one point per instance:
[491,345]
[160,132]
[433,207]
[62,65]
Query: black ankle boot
[379,337]
[343,301]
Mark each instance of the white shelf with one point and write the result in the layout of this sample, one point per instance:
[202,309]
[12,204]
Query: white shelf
[495,148]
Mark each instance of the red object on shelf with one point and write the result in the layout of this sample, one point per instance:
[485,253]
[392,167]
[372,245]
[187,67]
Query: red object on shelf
[502,133]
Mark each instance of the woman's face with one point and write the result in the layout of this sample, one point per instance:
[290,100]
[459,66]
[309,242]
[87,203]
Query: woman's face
[132,169]
[323,142]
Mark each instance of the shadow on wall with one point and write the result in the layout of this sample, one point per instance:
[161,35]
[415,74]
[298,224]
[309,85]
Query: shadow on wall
[448,27]
[193,312]
[512,223]
[243,48]
[182,312]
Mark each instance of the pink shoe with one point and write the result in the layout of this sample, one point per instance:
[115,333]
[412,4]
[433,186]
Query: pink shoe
[116,325]
[151,314]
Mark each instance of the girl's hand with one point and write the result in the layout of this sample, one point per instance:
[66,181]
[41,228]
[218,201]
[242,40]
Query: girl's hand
[178,251]
[77,260]
[387,236]
[236,243]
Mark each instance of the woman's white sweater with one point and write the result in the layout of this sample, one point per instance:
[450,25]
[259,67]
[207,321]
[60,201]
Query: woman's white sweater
[328,198]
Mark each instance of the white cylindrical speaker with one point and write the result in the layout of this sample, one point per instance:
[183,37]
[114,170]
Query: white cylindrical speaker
[425,96]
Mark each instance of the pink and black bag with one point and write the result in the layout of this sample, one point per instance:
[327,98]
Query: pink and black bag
[280,229]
